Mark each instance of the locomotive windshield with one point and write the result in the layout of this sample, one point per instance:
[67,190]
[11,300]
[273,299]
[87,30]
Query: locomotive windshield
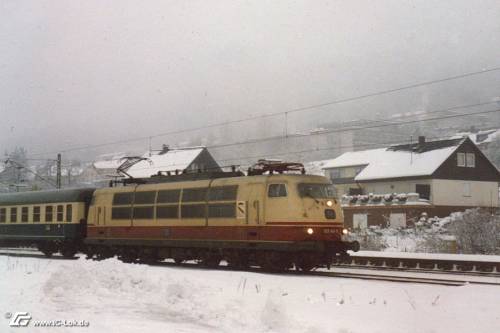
[316,190]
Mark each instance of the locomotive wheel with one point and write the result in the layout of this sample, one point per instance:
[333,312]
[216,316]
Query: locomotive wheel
[304,266]
[211,261]
[274,262]
[68,252]
[47,253]
[178,260]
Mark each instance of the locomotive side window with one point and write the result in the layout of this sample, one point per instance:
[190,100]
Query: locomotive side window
[223,193]
[69,213]
[13,214]
[121,213]
[24,214]
[276,190]
[194,194]
[146,212]
[193,211]
[167,212]
[168,196]
[142,198]
[222,210]
[36,214]
[123,198]
[60,213]
[48,214]
[3,215]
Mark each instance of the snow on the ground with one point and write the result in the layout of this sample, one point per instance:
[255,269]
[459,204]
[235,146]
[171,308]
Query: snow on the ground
[444,256]
[117,297]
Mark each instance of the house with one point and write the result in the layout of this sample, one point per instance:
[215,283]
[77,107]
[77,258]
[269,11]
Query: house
[451,175]
[174,160]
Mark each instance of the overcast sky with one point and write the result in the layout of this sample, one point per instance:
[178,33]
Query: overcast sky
[84,72]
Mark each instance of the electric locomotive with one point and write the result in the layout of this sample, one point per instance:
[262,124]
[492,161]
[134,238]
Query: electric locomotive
[273,217]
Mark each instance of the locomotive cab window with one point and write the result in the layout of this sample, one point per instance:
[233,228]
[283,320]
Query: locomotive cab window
[316,190]
[276,191]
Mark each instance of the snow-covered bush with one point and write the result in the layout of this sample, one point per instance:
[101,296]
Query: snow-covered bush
[477,231]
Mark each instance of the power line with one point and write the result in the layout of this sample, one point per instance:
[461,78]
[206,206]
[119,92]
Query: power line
[280,137]
[306,108]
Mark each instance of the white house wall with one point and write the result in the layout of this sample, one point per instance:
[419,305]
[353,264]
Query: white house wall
[464,193]
[384,187]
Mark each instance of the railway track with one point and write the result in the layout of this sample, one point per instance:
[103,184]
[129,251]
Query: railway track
[393,269]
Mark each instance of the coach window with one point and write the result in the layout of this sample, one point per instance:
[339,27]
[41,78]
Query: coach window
[2,215]
[276,190]
[48,214]
[13,215]
[69,213]
[24,214]
[36,214]
[60,213]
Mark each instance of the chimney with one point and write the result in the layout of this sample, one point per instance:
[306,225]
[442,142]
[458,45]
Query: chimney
[164,149]
[421,140]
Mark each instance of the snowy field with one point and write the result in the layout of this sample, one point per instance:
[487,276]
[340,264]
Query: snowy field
[117,297]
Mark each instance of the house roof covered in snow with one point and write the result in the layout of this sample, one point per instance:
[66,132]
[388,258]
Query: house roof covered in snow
[173,159]
[109,161]
[407,160]
[481,137]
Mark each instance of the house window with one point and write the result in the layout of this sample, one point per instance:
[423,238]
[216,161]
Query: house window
[470,160]
[467,192]
[2,215]
[461,159]
[276,190]
[423,190]
[334,173]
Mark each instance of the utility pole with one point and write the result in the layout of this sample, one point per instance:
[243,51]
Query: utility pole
[58,175]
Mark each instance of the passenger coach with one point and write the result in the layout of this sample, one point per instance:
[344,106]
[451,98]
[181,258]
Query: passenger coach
[52,221]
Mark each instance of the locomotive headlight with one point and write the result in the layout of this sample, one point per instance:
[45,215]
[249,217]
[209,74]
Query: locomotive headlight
[345,231]
[329,203]
[310,231]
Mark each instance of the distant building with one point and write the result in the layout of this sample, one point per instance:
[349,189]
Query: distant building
[452,175]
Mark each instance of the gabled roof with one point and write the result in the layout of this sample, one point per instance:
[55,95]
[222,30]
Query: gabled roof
[173,159]
[408,160]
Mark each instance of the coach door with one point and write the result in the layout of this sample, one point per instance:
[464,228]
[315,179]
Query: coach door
[255,210]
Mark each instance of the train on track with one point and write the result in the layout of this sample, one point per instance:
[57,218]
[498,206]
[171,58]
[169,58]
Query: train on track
[276,217]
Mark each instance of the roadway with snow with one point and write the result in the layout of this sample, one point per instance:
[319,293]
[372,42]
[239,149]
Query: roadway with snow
[117,297]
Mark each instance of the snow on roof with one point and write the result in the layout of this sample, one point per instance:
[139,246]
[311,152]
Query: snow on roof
[109,161]
[480,137]
[397,161]
[174,159]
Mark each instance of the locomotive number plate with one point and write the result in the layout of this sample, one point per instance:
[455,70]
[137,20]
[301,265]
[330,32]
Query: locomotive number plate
[330,231]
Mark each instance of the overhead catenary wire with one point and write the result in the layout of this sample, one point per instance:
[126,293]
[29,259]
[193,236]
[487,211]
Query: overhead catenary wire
[301,109]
